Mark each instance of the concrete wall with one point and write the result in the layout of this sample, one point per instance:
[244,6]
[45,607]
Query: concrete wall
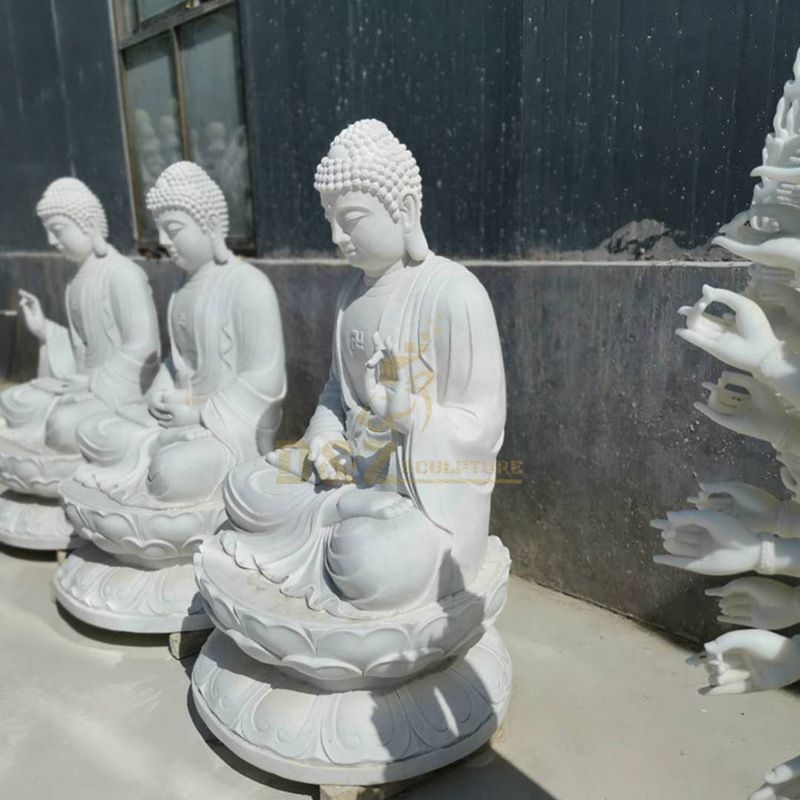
[601,434]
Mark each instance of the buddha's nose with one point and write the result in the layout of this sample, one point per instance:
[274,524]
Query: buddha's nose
[51,239]
[163,239]
[338,236]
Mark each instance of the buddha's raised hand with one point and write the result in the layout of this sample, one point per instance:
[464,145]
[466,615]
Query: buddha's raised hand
[708,543]
[742,340]
[388,396]
[749,661]
[754,507]
[782,783]
[757,603]
[742,404]
[35,319]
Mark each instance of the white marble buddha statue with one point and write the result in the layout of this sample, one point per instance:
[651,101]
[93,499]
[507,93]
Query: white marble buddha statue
[394,474]
[105,358]
[355,587]
[152,487]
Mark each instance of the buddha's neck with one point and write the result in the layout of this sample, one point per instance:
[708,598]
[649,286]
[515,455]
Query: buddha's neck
[201,273]
[371,280]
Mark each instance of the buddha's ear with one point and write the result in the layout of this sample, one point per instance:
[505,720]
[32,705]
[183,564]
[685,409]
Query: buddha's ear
[99,244]
[218,246]
[410,220]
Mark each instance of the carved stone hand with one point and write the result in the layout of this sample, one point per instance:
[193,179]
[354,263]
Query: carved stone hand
[707,542]
[742,404]
[749,661]
[757,603]
[782,783]
[754,507]
[388,397]
[35,319]
[743,340]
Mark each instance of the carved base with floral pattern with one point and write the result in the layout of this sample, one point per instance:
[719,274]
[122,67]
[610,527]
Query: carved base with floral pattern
[362,737]
[340,654]
[34,523]
[98,589]
[35,473]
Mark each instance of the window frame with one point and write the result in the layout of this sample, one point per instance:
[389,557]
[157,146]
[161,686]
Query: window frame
[168,22]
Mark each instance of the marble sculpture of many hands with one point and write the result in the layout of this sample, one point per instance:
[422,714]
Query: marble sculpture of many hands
[328,451]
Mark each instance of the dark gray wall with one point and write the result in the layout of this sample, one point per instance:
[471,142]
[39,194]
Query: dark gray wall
[538,124]
[59,114]
[600,416]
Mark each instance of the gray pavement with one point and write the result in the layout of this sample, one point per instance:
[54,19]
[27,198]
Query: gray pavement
[602,709]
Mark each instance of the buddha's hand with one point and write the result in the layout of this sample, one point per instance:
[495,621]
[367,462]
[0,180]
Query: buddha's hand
[756,508]
[35,319]
[782,783]
[742,340]
[171,410]
[388,396]
[708,543]
[749,661]
[325,456]
[757,603]
[742,404]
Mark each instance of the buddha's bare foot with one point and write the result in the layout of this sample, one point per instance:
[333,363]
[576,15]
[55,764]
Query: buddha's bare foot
[372,503]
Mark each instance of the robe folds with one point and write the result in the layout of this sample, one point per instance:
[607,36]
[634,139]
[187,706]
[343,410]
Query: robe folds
[441,321]
[111,338]
[237,382]
[240,379]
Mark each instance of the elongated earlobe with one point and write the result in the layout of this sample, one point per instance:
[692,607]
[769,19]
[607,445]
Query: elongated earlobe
[221,253]
[416,243]
[99,245]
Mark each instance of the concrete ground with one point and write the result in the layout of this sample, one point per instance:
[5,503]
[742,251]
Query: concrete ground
[601,709]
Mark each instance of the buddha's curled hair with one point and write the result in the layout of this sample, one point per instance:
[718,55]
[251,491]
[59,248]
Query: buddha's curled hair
[74,199]
[367,157]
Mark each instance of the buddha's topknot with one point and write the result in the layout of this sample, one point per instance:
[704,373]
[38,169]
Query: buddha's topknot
[74,199]
[367,157]
[188,187]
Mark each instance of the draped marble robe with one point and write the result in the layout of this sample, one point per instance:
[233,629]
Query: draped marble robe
[234,374]
[111,338]
[443,320]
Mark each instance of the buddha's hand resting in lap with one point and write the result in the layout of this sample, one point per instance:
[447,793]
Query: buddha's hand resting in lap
[749,661]
[172,410]
[323,457]
[782,783]
[388,396]
[743,339]
[35,319]
[757,603]
[742,404]
[707,542]
[756,508]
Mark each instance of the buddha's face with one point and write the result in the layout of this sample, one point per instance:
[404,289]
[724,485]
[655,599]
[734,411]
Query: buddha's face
[364,231]
[188,245]
[64,234]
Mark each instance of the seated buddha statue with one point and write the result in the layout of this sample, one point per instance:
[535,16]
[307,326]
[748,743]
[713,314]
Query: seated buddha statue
[384,502]
[152,485]
[105,357]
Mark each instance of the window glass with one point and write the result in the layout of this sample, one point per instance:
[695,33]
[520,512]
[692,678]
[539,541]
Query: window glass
[149,8]
[155,126]
[214,111]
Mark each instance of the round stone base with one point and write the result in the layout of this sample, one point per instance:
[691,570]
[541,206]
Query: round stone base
[355,738]
[96,588]
[34,523]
